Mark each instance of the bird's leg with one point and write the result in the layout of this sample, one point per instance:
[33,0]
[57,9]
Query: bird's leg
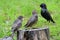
[48,22]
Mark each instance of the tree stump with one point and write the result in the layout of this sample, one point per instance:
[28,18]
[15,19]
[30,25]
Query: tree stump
[33,34]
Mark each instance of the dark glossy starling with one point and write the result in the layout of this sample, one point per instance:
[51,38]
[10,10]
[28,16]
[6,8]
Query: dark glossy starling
[32,20]
[45,14]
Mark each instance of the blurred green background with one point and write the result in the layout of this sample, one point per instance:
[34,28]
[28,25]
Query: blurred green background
[11,9]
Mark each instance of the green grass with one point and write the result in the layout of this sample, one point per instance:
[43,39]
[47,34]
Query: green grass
[11,9]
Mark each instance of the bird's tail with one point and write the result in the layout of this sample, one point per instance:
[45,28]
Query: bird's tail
[52,20]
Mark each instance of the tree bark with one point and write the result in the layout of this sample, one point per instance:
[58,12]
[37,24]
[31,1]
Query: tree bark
[33,34]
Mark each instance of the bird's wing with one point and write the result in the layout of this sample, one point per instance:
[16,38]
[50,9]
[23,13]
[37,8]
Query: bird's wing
[50,17]
[48,14]
[16,23]
[45,14]
[31,20]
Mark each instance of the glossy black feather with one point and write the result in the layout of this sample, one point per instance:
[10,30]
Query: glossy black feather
[45,14]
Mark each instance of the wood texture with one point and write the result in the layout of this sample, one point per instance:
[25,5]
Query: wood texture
[33,34]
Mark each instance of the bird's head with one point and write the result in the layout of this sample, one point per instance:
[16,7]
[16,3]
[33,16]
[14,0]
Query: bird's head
[20,17]
[43,5]
[34,12]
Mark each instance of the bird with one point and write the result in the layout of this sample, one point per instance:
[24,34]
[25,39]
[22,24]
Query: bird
[33,19]
[45,13]
[17,24]
[7,38]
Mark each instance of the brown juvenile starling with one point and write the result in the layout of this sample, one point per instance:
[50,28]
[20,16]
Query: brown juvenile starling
[32,20]
[45,14]
[7,38]
[17,24]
